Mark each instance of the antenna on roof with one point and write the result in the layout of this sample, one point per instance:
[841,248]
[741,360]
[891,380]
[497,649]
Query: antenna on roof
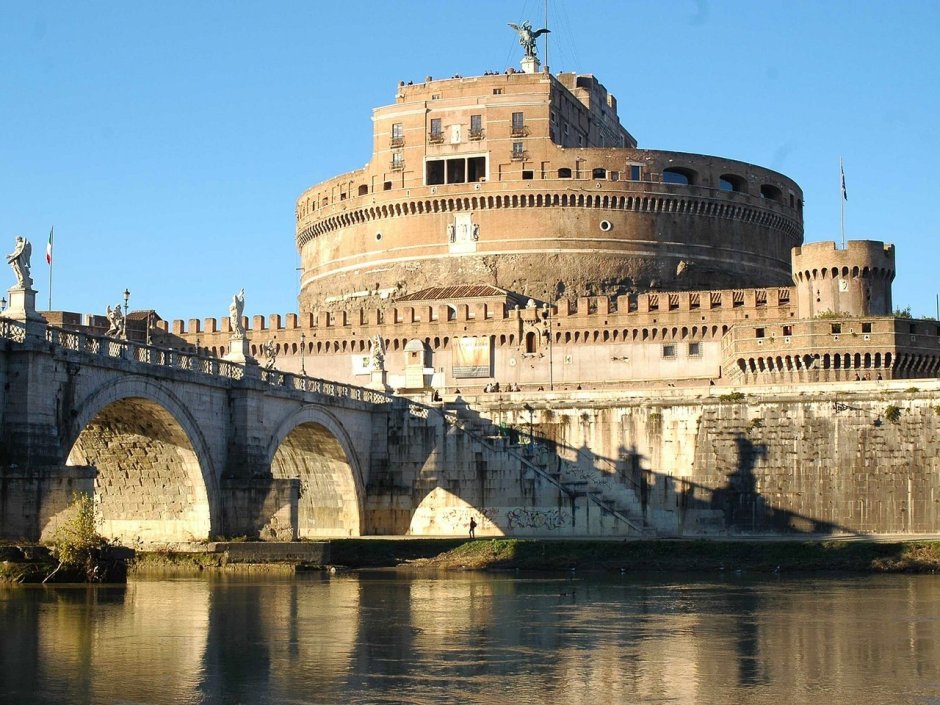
[547,70]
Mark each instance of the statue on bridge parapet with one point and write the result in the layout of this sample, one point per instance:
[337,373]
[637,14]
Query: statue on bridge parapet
[270,353]
[376,354]
[118,324]
[19,261]
[235,312]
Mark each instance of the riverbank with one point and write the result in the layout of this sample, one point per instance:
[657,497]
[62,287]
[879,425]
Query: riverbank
[649,555]
[31,564]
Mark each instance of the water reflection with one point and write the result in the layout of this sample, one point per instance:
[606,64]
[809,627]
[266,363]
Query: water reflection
[477,638]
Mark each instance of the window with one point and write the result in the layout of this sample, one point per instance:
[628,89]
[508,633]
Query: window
[476,127]
[530,343]
[497,91]
[599,173]
[564,173]
[518,150]
[398,161]
[788,330]
[695,349]
[528,175]
[866,328]
[363,189]
[771,192]
[732,182]
[669,351]
[678,175]
[387,186]
[759,332]
[836,328]
[614,176]
[437,133]
[398,134]
[635,173]
[518,125]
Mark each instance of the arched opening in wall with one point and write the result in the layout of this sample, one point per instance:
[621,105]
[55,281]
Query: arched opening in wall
[732,182]
[679,175]
[329,500]
[363,190]
[599,173]
[149,486]
[564,173]
[771,193]
[530,342]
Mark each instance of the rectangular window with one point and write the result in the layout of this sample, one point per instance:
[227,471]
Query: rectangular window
[695,349]
[669,351]
[398,134]
[866,328]
[434,172]
[614,175]
[788,330]
[635,172]
[398,161]
[497,91]
[476,127]
[518,125]
[436,127]
[758,332]
[836,328]
[528,175]
[518,150]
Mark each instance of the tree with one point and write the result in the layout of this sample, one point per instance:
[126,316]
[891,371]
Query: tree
[76,544]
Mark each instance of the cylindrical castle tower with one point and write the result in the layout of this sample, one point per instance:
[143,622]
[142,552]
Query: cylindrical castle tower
[529,183]
[855,281]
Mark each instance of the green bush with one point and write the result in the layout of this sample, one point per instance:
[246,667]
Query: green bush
[76,544]
[732,396]
[893,413]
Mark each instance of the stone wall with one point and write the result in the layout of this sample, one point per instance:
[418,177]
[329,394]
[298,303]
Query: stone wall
[860,458]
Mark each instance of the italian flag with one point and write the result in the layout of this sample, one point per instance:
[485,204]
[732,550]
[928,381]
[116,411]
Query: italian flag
[49,247]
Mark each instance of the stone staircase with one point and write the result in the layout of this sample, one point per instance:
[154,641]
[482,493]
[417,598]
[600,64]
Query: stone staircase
[581,478]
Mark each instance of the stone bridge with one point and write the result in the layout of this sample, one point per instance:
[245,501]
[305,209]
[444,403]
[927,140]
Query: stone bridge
[176,447]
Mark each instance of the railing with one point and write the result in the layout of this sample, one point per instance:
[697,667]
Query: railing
[476,135]
[519,131]
[520,156]
[397,142]
[12,330]
[435,137]
[397,164]
[174,359]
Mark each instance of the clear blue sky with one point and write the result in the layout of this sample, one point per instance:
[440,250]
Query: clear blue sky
[167,141]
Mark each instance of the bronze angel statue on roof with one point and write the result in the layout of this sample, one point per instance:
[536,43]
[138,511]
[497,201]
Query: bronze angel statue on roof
[527,37]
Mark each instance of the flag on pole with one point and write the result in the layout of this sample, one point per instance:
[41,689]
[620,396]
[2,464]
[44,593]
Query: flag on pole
[842,170]
[49,246]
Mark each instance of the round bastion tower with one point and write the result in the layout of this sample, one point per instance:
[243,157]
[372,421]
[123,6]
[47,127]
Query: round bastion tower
[529,183]
[855,281]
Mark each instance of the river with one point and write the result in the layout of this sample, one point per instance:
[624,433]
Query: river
[398,637]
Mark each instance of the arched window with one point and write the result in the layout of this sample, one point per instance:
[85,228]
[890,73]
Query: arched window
[363,190]
[679,175]
[530,339]
[564,173]
[732,182]
[771,192]
[599,173]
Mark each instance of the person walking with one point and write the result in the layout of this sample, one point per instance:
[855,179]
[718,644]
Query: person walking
[473,528]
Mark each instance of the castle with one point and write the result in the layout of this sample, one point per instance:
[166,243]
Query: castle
[508,231]
[666,352]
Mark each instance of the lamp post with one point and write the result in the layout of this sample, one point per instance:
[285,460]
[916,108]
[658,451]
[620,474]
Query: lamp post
[127,298]
[547,317]
[3,304]
[303,344]
[149,323]
[197,347]
[531,411]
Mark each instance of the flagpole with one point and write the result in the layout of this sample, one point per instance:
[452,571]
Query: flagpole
[842,200]
[49,261]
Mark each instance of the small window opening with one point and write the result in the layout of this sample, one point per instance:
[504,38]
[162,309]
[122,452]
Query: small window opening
[599,173]
[530,342]
[564,173]
[527,175]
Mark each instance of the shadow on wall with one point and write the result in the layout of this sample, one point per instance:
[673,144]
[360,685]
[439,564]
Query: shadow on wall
[735,506]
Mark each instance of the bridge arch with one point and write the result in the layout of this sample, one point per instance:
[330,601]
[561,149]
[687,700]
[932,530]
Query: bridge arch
[311,445]
[155,480]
